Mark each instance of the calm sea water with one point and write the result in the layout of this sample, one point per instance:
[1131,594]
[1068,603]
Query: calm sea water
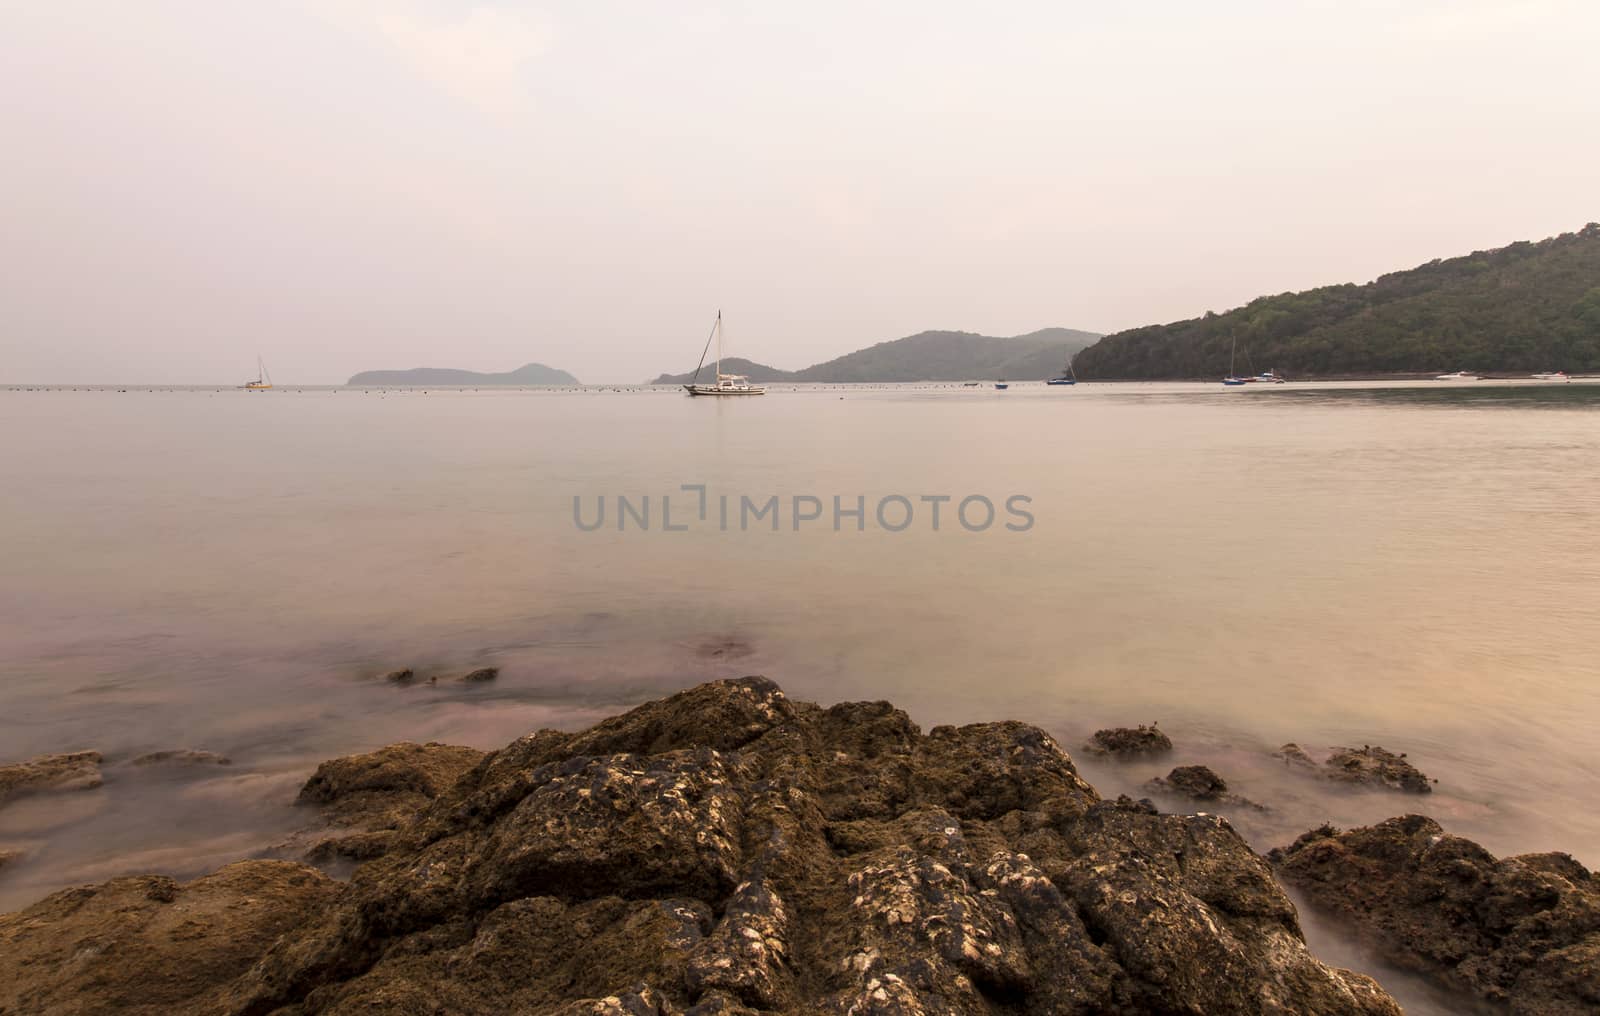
[1416,566]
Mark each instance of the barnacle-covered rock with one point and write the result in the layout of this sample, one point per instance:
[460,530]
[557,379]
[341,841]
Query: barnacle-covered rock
[364,800]
[1520,931]
[149,945]
[726,851]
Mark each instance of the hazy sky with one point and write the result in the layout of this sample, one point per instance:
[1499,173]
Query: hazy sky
[351,184]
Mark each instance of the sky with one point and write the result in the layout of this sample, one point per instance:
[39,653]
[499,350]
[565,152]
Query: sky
[342,185]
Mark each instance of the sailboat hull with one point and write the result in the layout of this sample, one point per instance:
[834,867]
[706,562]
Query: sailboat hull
[1061,381]
[715,390]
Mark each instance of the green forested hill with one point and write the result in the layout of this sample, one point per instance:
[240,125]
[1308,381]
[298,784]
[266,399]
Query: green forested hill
[932,356]
[1523,308]
[759,373]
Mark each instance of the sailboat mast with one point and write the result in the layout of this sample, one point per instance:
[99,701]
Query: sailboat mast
[719,345]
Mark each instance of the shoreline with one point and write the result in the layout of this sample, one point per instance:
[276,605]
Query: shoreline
[393,800]
[1492,377]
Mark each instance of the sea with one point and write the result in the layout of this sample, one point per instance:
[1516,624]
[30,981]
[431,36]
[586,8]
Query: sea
[1411,565]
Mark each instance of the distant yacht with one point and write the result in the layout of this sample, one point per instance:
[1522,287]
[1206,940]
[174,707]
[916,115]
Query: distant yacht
[263,380]
[1066,378]
[1553,376]
[727,384]
[1271,377]
[1001,385]
[1460,375]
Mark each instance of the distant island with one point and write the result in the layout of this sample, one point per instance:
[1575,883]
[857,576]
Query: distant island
[927,356]
[529,374]
[1520,309]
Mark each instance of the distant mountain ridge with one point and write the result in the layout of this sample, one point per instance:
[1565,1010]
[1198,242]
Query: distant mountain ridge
[927,356]
[527,374]
[1523,308]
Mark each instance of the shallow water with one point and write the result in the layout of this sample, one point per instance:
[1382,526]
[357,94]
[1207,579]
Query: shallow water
[1414,566]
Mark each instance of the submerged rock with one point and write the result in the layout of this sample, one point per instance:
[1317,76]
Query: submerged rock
[1375,767]
[1127,742]
[182,757]
[79,770]
[405,676]
[1520,931]
[480,676]
[1198,782]
[1295,757]
[148,944]
[7,856]
[1366,766]
[727,851]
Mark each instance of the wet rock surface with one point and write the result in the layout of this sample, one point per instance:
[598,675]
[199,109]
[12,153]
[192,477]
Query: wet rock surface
[1129,742]
[1199,783]
[1295,757]
[182,757]
[79,770]
[1520,931]
[483,675]
[730,851]
[1372,766]
[1365,766]
[148,944]
[364,800]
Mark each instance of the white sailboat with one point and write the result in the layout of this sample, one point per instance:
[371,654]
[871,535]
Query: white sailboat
[263,380]
[727,384]
[1232,378]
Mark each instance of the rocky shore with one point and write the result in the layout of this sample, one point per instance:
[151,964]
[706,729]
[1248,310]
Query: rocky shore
[1520,931]
[728,850]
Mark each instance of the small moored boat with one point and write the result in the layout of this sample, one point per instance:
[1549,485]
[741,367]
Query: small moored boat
[1460,375]
[1233,379]
[1557,375]
[263,380]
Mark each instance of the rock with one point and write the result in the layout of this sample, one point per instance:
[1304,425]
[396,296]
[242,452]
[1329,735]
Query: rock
[481,675]
[1127,742]
[1365,766]
[367,798]
[182,757]
[149,945]
[1295,757]
[79,770]
[727,851]
[405,676]
[1371,766]
[1522,932]
[1197,782]
[8,856]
